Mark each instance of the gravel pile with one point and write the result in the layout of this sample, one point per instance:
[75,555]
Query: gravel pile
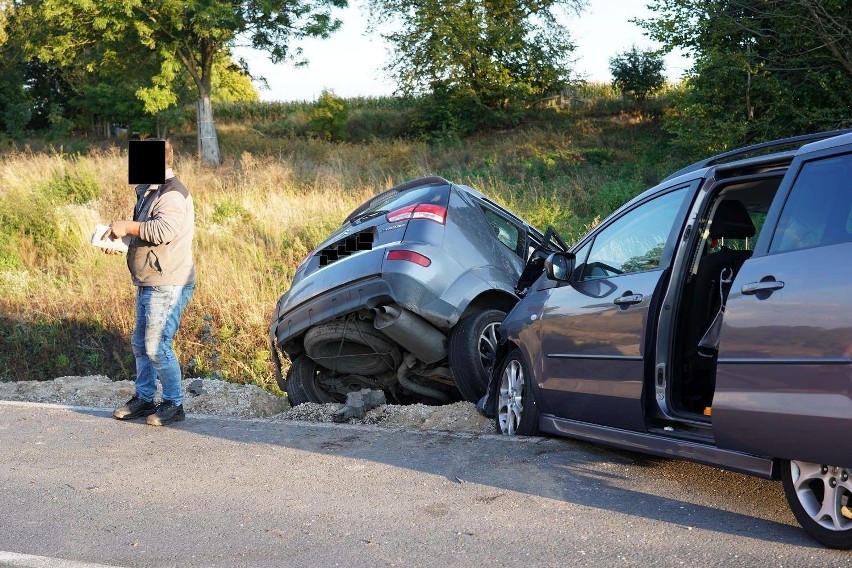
[220,398]
[457,417]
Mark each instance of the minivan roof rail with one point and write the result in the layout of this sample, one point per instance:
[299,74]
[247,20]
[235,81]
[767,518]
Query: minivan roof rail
[801,140]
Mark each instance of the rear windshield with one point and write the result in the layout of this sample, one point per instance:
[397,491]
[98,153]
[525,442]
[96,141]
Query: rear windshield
[391,201]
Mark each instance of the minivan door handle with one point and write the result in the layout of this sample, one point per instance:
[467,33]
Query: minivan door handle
[753,288]
[628,299]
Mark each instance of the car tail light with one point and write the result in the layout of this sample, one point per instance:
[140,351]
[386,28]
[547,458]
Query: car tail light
[427,211]
[410,256]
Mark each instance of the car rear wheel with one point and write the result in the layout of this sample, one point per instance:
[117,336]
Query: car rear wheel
[821,499]
[308,382]
[352,346]
[302,383]
[517,412]
[473,352]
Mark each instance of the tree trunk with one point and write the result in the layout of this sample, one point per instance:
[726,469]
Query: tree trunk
[208,144]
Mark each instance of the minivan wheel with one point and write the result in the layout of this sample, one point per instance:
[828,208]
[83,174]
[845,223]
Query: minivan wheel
[821,499]
[473,352]
[517,412]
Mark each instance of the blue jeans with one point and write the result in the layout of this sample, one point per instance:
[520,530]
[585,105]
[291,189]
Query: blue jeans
[158,311]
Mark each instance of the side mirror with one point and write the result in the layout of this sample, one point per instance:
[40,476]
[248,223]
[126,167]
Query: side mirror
[560,266]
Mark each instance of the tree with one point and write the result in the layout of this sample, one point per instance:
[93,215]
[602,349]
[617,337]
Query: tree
[763,68]
[186,37]
[637,73]
[493,53]
[15,104]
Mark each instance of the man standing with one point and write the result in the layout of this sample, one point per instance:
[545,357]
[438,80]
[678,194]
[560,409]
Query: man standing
[159,257]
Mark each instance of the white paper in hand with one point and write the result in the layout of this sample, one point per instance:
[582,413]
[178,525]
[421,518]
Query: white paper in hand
[100,238]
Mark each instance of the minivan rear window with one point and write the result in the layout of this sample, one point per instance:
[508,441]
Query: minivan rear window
[819,207]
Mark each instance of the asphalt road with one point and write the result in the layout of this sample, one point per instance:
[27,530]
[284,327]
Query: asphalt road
[77,486]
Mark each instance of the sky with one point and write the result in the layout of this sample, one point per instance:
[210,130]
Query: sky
[350,63]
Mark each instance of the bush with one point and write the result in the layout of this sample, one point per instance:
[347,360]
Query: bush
[638,73]
[378,123]
[76,185]
[328,119]
[451,111]
[33,219]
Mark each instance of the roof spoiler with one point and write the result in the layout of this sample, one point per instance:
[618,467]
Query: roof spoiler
[794,140]
[428,180]
[419,182]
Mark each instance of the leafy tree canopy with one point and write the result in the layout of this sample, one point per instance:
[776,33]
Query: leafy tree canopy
[637,73]
[763,68]
[492,53]
[179,37]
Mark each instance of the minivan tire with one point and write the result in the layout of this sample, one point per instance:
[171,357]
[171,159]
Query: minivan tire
[517,412]
[811,496]
[472,352]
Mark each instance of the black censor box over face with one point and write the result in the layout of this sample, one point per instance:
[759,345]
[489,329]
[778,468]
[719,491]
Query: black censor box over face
[146,163]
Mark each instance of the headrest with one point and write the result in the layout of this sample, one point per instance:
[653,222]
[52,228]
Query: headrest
[731,221]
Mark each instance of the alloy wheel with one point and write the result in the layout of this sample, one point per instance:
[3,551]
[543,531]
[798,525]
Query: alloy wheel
[825,493]
[510,399]
[488,347]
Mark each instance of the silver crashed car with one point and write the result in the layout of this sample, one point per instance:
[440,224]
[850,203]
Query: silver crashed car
[406,296]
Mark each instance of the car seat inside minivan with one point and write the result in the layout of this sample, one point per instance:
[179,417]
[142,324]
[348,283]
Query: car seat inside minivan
[728,240]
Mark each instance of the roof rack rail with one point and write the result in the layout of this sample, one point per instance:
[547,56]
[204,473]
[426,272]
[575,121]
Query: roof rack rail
[801,140]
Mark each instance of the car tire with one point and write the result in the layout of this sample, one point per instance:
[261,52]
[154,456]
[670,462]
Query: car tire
[302,385]
[807,486]
[472,352]
[517,412]
[352,346]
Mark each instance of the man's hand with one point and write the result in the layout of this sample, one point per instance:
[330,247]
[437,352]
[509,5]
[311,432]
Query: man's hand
[108,235]
[121,228]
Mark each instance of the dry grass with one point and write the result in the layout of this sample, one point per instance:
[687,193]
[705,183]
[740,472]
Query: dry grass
[66,308]
[255,221]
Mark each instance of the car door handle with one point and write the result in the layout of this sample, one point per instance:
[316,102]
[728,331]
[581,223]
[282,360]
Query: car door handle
[763,286]
[628,299]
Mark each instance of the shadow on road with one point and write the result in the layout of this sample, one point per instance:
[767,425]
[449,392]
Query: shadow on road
[570,471]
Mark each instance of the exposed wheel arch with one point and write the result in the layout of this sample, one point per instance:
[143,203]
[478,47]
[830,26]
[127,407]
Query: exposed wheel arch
[492,299]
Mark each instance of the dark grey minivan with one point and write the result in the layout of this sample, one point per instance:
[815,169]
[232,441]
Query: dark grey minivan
[708,319]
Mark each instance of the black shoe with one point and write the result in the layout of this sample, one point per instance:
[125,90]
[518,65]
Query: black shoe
[135,408]
[167,412]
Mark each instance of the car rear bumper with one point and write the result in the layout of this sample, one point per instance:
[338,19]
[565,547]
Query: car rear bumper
[373,291]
